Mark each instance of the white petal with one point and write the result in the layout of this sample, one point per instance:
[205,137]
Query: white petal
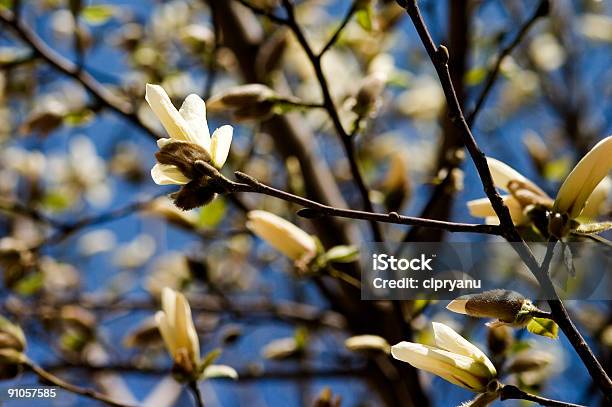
[457,369]
[170,118]
[186,336]
[446,338]
[220,145]
[482,208]
[284,236]
[193,111]
[595,205]
[502,175]
[213,371]
[167,333]
[583,179]
[161,142]
[164,174]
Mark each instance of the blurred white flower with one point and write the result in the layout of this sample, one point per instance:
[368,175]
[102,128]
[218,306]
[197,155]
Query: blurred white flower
[178,331]
[284,236]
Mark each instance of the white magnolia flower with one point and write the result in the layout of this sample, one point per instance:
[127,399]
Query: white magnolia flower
[187,125]
[584,178]
[178,331]
[454,359]
[582,192]
[281,234]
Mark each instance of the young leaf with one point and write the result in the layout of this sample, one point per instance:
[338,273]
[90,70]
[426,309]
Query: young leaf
[543,327]
[342,254]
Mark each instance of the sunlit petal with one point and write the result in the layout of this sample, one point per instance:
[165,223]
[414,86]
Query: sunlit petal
[170,118]
[163,174]
[220,145]
[193,111]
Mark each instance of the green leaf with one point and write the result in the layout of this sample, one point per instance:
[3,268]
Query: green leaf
[598,227]
[543,327]
[78,118]
[98,14]
[212,214]
[475,75]
[56,201]
[7,4]
[342,254]
[557,169]
[30,284]
[364,18]
[210,357]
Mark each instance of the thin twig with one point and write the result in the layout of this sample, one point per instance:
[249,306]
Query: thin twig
[347,17]
[540,11]
[197,395]
[51,378]
[330,107]
[317,209]
[439,57]
[99,91]
[514,393]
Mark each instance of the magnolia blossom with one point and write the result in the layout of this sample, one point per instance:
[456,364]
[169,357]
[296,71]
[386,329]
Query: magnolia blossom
[454,359]
[177,330]
[581,195]
[584,178]
[187,125]
[284,236]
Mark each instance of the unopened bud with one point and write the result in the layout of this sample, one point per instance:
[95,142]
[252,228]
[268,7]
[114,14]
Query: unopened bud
[368,96]
[529,361]
[499,339]
[367,343]
[11,363]
[11,336]
[504,305]
[558,225]
[240,97]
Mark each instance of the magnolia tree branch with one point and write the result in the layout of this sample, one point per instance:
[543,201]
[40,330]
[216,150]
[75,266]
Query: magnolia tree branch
[99,91]
[56,381]
[197,394]
[332,111]
[540,11]
[439,57]
[514,393]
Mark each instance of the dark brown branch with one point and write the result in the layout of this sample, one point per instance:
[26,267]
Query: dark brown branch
[439,57]
[101,93]
[197,394]
[330,43]
[56,381]
[541,10]
[514,393]
[316,209]
[330,107]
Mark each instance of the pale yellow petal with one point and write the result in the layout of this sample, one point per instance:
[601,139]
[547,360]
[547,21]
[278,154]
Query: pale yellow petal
[502,174]
[284,236]
[583,179]
[167,334]
[170,118]
[163,174]
[482,208]
[193,111]
[220,145]
[457,369]
[446,338]
[595,205]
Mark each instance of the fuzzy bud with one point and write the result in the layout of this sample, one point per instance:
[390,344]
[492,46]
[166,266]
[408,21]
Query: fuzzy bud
[504,305]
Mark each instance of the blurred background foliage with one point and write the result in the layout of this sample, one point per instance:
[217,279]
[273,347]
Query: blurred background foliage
[88,240]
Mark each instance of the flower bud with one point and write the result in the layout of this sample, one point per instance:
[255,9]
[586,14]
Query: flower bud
[504,305]
[284,236]
[178,332]
[368,95]
[240,97]
[367,343]
[454,359]
[11,363]
[11,336]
